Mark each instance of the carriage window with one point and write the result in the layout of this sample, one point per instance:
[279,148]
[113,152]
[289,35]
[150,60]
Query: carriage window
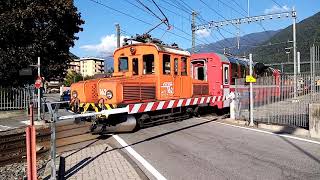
[175,66]
[166,64]
[225,75]
[135,66]
[242,71]
[184,64]
[234,73]
[123,64]
[148,64]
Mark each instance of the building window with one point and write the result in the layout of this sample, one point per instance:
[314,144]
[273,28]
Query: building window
[166,64]
[148,64]
[123,64]
[184,66]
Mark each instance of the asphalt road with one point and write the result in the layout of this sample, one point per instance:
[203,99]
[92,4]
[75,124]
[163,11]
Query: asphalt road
[200,148]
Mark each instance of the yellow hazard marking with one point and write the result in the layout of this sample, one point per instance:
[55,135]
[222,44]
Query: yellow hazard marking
[86,107]
[250,79]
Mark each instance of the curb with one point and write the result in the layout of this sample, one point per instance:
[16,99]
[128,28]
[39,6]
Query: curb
[277,129]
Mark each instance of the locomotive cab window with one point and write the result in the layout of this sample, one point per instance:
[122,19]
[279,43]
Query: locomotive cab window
[176,66]
[166,66]
[148,64]
[123,64]
[135,66]
[184,66]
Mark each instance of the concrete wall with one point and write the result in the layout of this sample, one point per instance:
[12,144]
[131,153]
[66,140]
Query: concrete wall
[314,120]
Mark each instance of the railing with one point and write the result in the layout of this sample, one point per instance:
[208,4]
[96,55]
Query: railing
[274,101]
[16,98]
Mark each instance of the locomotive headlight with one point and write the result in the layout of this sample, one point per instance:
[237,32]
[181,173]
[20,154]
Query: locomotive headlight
[109,94]
[74,94]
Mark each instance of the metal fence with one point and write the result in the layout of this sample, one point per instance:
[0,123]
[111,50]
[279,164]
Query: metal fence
[273,97]
[17,98]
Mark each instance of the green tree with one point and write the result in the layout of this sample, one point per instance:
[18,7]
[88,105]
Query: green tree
[32,28]
[72,77]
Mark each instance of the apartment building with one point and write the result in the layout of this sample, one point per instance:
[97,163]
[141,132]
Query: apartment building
[87,66]
[75,65]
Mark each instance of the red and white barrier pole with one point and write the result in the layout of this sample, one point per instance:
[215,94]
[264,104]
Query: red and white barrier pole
[31,148]
[29,169]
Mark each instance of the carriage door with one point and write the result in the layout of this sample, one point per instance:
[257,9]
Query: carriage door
[226,83]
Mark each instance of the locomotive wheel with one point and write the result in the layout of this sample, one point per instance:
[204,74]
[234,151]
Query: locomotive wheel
[196,112]
[101,104]
[144,118]
[189,111]
[93,127]
[75,105]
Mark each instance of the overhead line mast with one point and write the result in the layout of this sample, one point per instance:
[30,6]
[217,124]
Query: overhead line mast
[260,18]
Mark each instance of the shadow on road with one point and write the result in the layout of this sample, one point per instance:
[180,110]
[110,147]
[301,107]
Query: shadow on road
[301,150]
[66,174]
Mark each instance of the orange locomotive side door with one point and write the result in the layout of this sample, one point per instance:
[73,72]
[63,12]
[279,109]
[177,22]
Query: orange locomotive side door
[166,79]
[186,81]
[177,76]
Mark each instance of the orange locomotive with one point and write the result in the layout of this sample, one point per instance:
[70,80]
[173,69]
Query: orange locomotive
[151,83]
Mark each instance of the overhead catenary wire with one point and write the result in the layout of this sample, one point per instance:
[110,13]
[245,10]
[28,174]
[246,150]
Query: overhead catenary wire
[235,1]
[146,7]
[143,21]
[220,16]
[277,3]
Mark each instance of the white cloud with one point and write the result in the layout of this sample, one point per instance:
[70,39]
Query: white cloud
[106,46]
[202,33]
[276,9]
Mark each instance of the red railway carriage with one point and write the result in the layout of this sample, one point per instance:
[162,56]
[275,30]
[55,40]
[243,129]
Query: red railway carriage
[215,69]
[221,73]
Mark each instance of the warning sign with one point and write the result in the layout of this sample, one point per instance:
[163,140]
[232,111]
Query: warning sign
[251,79]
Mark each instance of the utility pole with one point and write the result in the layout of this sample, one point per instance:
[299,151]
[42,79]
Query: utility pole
[294,17]
[118,35]
[248,8]
[193,25]
[238,36]
[298,59]
[39,99]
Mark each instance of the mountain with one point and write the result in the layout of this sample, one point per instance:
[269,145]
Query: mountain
[246,43]
[307,33]
[108,63]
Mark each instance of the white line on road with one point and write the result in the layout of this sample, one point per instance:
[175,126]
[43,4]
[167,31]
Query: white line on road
[138,157]
[267,132]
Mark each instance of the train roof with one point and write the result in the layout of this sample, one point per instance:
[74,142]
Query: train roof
[160,47]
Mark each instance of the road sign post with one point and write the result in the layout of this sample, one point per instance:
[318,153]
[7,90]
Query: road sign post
[251,90]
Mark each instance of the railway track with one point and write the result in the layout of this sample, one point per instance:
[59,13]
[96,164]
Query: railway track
[13,142]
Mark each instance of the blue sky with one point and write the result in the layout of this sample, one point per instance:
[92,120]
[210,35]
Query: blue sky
[98,39]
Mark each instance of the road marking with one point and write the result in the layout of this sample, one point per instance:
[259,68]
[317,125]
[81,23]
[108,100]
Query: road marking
[138,157]
[267,132]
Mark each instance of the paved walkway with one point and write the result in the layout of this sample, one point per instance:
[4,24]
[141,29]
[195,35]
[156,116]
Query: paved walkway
[97,162]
